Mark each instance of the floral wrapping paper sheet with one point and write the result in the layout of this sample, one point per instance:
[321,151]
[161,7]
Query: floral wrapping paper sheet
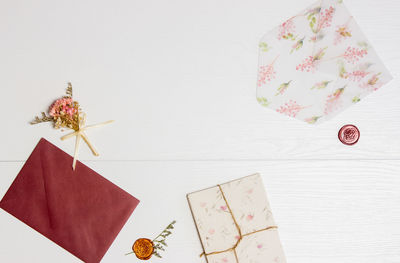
[317,63]
[217,231]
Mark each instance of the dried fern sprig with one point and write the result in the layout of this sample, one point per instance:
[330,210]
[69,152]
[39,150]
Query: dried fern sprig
[44,118]
[69,90]
[159,241]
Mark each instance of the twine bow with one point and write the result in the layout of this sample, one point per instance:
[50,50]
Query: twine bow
[80,133]
[241,236]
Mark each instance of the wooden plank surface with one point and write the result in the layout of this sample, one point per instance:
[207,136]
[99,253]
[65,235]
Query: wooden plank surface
[327,211]
[179,79]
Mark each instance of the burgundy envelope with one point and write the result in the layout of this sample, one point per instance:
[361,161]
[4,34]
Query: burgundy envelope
[79,210]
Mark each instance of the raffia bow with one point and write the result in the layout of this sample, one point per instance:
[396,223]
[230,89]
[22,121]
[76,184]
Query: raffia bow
[80,133]
[66,113]
[241,236]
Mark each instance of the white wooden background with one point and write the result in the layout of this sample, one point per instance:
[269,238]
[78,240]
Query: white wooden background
[179,78]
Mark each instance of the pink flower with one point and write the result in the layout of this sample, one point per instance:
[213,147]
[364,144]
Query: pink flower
[249,217]
[286,30]
[63,106]
[325,18]
[372,83]
[265,73]
[211,231]
[353,55]
[224,260]
[356,75]
[307,65]
[223,207]
[259,246]
[310,63]
[290,108]
[341,33]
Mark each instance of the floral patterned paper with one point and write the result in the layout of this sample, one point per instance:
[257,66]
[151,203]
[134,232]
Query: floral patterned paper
[248,202]
[317,63]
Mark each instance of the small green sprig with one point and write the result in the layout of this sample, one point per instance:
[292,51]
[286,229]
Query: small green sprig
[159,241]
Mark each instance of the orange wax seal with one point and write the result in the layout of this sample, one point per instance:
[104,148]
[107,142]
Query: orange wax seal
[143,248]
[349,134]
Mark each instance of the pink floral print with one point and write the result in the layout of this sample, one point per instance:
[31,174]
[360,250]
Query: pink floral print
[283,87]
[323,20]
[333,100]
[312,120]
[353,55]
[299,44]
[249,217]
[311,62]
[342,32]
[372,83]
[266,73]
[356,75]
[321,85]
[290,108]
[286,30]
[325,41]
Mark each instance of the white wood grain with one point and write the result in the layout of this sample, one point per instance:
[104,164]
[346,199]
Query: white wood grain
[179,79]
[327,211]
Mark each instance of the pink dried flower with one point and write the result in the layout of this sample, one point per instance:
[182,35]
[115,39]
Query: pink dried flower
[65,105]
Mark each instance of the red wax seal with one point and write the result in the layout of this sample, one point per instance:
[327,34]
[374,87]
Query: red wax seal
[349,134]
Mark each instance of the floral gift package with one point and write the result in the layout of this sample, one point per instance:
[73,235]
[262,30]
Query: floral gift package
[235,223]
[317,63]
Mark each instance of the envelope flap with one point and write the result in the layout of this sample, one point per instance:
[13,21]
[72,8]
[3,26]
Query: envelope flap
[26,198]
[317,63]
